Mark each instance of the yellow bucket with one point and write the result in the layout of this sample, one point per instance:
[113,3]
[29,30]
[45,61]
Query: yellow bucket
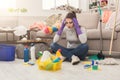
[49,65]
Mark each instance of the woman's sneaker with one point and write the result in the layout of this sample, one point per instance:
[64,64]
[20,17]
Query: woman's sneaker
[75,60]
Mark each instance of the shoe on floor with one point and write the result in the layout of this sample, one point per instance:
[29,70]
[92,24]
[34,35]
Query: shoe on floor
[75,60]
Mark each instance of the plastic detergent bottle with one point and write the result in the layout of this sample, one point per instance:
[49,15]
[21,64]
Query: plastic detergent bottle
[32,52]
[46,55]
[39,54]
[95,66]
[26,54]
[58,53]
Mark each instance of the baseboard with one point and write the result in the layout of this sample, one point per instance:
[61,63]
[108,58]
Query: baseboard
[106,53]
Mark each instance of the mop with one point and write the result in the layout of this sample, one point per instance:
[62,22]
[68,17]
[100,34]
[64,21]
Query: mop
[109,60]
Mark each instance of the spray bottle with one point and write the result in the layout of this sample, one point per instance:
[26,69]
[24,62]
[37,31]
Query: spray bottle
[32,52]
[26,54]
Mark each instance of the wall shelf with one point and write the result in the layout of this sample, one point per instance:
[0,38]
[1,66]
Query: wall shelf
[93,5]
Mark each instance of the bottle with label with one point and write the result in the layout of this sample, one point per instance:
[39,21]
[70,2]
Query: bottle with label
[39,54]
[32,53]
[26,54]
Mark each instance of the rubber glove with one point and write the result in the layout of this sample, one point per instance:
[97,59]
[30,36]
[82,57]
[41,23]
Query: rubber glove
[61,28]
[77,27]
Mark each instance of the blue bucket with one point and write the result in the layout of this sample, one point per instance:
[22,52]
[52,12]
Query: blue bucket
[7,52]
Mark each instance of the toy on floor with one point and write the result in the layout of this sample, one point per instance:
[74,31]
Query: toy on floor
[50,62]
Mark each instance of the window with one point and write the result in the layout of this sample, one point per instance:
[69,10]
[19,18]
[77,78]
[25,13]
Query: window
[49,4]
[4,4]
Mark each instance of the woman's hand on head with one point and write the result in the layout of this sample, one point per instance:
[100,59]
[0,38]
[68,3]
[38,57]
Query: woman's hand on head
[61,28]
[75,21]
[77,27]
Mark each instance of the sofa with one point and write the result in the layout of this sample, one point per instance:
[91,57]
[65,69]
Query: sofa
[91,21]
[9,23]
[88,20]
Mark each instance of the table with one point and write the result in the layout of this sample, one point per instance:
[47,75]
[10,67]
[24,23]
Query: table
[27,42]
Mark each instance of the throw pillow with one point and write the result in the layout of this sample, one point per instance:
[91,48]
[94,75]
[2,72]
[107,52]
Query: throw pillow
[106,15]
[111,21]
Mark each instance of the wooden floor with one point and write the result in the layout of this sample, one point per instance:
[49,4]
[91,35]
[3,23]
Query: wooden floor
[17,70]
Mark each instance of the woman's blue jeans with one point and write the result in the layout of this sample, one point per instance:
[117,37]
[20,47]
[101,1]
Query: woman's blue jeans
[80,51]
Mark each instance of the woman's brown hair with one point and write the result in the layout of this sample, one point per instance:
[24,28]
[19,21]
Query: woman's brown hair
[71,15]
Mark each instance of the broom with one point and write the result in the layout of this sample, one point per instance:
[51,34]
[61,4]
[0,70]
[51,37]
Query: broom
[100,54]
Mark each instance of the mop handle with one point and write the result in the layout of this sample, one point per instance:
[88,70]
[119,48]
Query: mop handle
[111,43]
[100,11]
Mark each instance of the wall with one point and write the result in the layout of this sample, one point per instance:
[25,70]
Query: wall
[35,8]
[84,5]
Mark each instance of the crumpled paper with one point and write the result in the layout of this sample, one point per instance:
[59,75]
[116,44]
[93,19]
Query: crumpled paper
[20,30]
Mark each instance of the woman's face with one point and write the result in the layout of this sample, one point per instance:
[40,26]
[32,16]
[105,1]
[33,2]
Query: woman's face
[69,22]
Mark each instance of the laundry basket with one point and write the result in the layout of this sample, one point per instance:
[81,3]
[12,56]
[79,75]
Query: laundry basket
[7,52]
